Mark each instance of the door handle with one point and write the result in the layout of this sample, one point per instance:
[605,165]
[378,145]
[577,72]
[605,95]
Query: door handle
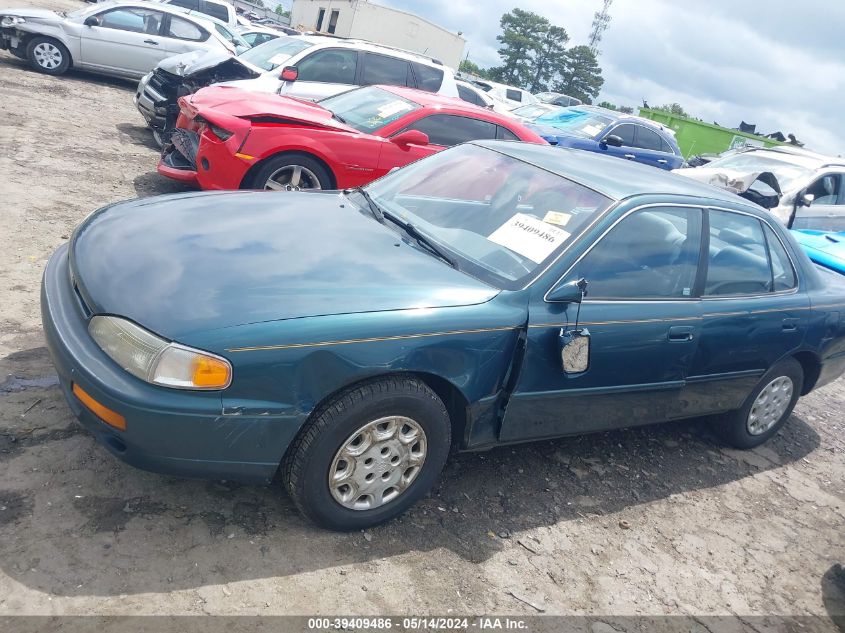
[681,333]
[153,42]
[663,161]
[790,325]
[630,156]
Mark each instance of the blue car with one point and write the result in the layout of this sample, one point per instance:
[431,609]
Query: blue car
[611,133]
[493,293]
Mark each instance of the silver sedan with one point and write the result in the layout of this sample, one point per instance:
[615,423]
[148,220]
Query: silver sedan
[124,39]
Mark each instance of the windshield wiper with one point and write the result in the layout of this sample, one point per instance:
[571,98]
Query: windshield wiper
[423,240]
[337,117]
[372,204]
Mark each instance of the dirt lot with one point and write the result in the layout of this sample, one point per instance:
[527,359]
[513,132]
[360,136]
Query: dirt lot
[658,520]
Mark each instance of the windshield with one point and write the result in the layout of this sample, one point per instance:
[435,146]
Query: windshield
[575,121]
[368,109]
[501,219]
[789,175]
[274,53]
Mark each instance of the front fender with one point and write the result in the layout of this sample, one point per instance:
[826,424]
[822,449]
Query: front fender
[29,29]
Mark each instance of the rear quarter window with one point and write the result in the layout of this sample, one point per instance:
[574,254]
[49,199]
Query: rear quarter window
[428,78]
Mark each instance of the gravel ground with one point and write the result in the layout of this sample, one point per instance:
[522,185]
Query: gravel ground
[651,521]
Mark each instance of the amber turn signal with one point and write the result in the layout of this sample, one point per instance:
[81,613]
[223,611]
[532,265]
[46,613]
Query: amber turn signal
[210,372]
[112,418]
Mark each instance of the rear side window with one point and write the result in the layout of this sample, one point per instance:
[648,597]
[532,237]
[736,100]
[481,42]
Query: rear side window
[184,30]
[429,78]
[381,69]
[738,262]
[783,275]
[216,11]
[665,147]
[448,130]
[648,139]
[331,65]
[504,134]
[513,95]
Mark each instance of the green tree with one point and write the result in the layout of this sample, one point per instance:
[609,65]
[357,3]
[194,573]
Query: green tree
[550,46]
[522,33]
[673,108]
[579,74]
[472,68]
[608,105]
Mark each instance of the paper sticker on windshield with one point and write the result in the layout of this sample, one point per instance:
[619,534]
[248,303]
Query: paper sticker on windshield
[557,217]
[395,107]
[529,236]
[592,130]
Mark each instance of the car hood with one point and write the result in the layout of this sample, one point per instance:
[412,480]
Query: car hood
[245,104]
[29,12]
[188,64]
[188,263]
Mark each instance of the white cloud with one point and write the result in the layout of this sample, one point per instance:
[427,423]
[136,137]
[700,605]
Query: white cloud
[777,63]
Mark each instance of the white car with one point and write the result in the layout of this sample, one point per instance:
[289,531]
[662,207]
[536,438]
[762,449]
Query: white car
[124,39]
[510,95]
[223,11]
[471,93]
[255,35]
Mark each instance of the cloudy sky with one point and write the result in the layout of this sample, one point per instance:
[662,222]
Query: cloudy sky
[777,63]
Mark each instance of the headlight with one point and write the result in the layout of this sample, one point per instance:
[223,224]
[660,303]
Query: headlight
[151,358]
[11,20]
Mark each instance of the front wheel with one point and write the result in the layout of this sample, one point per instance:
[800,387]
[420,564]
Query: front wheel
[291,172]
[47,55]
[369,454]
[766,409]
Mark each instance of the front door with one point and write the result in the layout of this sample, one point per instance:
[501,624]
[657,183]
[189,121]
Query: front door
[128,41]
[643,320]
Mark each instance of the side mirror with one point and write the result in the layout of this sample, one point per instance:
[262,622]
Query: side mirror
[575,350]
[92,20]
[289,73]
[409,137]
[613,140]
[572,292]
[805,199]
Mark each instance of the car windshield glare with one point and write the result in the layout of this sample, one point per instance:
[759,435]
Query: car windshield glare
[274,53]
[789,175]
[368,109]
[576,121]
[504,224]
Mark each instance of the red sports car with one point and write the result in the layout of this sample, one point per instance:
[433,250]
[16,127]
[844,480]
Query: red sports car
[227,138]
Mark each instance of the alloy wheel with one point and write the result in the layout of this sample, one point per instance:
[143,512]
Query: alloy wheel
[292,178]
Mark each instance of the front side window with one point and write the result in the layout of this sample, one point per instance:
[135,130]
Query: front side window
[502,225]
[133,19]
[382,69]
[625,132]
[184,30]
[827,190]
[368,109]
[650,254]
[448,130]
[738,262]
[331,66]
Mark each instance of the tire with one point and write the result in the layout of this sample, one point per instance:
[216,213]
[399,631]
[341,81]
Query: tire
[315,454]
[47,55]
[283,170]
[736,427]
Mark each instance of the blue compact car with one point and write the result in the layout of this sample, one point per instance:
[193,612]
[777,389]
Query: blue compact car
[611,133]
[493,293]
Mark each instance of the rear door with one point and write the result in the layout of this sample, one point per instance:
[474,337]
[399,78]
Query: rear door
[183,36]
[754,311]
[385,70]
[650,149]
[128,40]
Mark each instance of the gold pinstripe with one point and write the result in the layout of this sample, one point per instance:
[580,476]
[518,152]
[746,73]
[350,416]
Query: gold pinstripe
[398,337]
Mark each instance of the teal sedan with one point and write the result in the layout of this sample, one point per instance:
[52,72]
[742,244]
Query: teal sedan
[493,293]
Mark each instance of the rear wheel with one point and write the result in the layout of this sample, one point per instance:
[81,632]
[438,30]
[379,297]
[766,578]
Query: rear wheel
[47,55]
[369,454]
[291,172]
[766,409]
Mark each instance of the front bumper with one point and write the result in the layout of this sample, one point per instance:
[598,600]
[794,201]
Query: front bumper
[204,160]
[167,430]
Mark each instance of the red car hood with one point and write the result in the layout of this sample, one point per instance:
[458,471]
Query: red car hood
[247,105]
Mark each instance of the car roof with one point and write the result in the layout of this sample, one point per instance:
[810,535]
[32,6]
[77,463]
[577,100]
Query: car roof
[610,176]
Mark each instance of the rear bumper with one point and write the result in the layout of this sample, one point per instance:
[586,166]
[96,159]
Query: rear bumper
[168,431]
